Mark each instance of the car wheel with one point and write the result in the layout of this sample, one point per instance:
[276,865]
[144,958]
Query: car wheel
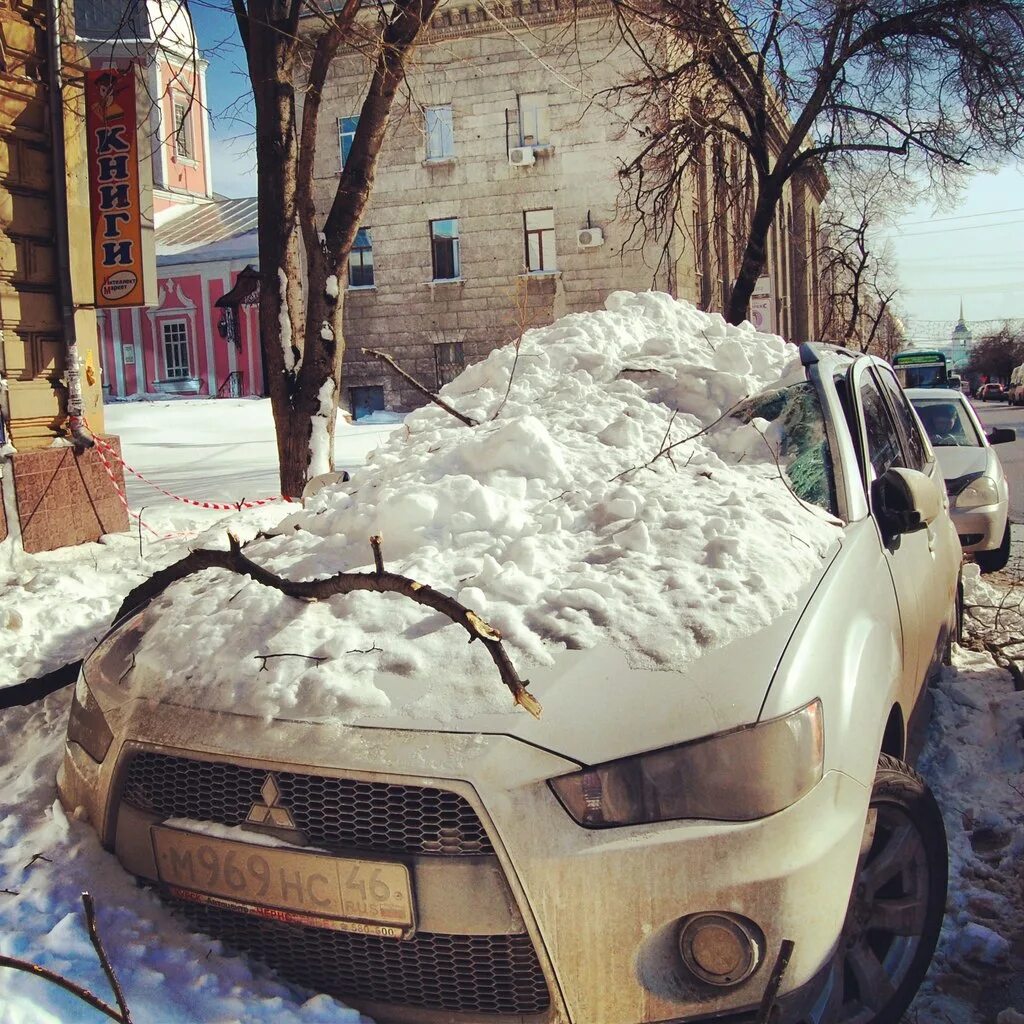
[993,561]
[895,913]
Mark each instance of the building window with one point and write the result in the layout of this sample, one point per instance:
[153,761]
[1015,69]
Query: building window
[444,248]
[449,361]
[539,234]
[183,148]
[533,119]
[440,136]
[176,349]
[360,261]
[346,135]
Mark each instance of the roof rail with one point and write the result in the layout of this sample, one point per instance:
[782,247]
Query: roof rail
[810,351]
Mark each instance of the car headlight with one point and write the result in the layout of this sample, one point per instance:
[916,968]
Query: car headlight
[108,665]
[981,491]
[735,776]
[86,725]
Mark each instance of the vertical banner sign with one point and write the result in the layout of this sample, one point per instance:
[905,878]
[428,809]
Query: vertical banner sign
[114,186]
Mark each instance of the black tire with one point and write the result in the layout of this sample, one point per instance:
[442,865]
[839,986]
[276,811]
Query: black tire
[896,907]
[993,561]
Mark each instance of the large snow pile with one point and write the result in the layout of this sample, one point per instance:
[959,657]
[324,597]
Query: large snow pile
[544,518]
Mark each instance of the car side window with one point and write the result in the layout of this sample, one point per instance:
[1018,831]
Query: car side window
[884,450]
[917,455]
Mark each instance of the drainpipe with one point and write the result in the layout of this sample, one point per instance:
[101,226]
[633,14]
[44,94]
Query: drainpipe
[80,435]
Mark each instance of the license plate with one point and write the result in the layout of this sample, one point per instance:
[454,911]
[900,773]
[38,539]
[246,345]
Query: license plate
[340,893]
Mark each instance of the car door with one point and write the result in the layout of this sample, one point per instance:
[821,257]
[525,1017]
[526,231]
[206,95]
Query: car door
[936,596]
[908,558]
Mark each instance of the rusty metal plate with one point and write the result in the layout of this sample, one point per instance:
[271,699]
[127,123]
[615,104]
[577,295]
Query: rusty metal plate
[341,893]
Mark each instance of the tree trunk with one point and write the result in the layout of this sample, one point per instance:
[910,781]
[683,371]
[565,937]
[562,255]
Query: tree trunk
[755,254]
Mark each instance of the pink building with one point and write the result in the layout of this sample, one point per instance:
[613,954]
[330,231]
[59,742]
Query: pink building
[202,337]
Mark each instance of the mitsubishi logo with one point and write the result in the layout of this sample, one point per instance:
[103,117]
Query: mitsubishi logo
[270,811]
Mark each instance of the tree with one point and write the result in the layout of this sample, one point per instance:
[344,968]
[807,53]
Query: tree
[934,84]
[858,273]
[996,355]
[303,262]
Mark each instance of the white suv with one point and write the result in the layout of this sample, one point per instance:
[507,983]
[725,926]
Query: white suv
[667,843]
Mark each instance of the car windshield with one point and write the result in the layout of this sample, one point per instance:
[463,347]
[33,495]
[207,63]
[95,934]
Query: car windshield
[947,423]
[792,425]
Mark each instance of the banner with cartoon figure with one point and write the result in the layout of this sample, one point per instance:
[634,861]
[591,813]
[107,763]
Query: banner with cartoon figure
[114,187]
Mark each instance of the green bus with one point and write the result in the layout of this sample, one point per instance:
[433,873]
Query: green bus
[919,368]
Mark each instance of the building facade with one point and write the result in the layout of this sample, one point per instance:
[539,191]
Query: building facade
[498,203]
[51,493]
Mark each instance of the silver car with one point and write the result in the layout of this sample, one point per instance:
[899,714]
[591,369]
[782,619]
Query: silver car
[737,838]
[974,476]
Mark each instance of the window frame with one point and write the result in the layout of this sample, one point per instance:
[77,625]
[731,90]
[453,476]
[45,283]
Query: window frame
[182,126]
[456,253]
[361,251]
[446,132]
[345,133]
[540,118]
[182,342]
[540,233]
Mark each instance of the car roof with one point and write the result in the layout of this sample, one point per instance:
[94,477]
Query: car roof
[937,395]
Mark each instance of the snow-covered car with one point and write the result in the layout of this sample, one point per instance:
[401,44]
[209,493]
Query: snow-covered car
[726,566]
[975,481]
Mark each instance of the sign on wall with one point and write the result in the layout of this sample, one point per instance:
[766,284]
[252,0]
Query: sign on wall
[112,147]
[761,303]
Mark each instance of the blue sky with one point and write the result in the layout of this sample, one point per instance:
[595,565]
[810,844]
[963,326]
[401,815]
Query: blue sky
[227,83]
[972,250]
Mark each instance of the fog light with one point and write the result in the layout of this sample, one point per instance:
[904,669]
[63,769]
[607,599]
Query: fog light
[721,949]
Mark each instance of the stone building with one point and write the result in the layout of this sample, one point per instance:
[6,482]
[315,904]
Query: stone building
[52,494]
[498,204]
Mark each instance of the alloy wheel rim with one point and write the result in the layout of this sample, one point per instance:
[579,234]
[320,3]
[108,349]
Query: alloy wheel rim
[884,923]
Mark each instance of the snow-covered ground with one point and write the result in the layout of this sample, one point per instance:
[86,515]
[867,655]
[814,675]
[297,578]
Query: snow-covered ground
[53,606]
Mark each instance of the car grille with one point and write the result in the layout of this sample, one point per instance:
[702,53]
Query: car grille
[337,814]
[480,974]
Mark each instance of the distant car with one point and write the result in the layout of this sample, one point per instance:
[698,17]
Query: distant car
[990,392]
[1015,393]
[974,476]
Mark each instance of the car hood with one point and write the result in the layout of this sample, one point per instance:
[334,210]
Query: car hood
[596,707]
[956,460]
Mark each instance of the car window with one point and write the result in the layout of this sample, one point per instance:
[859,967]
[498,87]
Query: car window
[917,455]
[884,449]
[796,433]
[947,423]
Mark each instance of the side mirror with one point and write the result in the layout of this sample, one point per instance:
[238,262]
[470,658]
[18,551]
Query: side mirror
[1001,435]
[906,501]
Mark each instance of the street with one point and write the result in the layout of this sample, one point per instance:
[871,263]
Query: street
[1001,414]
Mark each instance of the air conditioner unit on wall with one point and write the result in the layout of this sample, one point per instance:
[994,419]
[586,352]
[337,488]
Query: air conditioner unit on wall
[587,238]
[521,156]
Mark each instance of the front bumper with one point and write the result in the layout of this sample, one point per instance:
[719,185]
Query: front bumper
[601,909]
[987,522]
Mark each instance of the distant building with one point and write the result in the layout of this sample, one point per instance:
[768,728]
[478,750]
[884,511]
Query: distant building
[498,205]
[187,344]
[961,337]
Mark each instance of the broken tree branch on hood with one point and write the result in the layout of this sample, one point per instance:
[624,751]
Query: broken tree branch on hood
[379,582]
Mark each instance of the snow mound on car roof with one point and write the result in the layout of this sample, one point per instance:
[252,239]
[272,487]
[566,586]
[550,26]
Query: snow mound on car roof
[551,518]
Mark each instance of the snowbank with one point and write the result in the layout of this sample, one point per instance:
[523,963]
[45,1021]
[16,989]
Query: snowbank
[542,518]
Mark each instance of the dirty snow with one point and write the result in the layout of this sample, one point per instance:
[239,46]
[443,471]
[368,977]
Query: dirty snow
[542,520]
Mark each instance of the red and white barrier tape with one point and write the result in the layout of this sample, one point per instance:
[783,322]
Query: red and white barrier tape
[215,505]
